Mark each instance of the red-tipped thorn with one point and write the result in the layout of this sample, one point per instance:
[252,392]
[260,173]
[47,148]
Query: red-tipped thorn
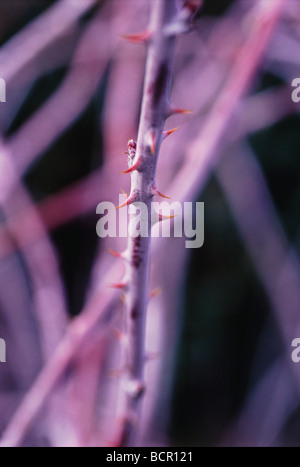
[132,168]
[119,285]
[162,217]
[140,37]
[161,194]
[128,201]
[154,191]
[124,193]
[155,292]
[169,132]
[114,253]
[177,110]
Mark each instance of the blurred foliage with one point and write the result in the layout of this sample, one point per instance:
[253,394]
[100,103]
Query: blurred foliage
[226,313]
[220,353]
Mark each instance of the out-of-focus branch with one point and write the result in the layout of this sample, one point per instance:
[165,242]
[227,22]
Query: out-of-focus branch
[202,154]
[67,103]
[48,291]
[83,196]
[119,125]
[44,44]
[201,159]
[143,157]
[23,47]
[97,314]
[267,408]
[275,262]
[71,98]
[257,112]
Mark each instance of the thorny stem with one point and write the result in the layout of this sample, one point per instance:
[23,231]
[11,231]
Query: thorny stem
[143,188]
[93,313]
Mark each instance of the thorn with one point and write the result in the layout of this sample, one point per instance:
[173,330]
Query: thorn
[129,200]
[154,191]
[178,110]
[123,255]
[126,203]
[114,253]
[169,132]
[161,195]
[159,217]
[119,285]
[132,168]
[155,292]
[163,217]
[140,37]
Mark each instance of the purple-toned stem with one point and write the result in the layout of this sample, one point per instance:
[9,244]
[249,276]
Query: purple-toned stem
[101,303]
[143,187]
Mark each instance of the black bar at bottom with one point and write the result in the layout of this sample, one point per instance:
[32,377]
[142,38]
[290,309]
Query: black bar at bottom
[140,456]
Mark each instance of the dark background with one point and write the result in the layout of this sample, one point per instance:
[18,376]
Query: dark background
[229,337]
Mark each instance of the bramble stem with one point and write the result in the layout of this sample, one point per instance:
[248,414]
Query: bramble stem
[155,109]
